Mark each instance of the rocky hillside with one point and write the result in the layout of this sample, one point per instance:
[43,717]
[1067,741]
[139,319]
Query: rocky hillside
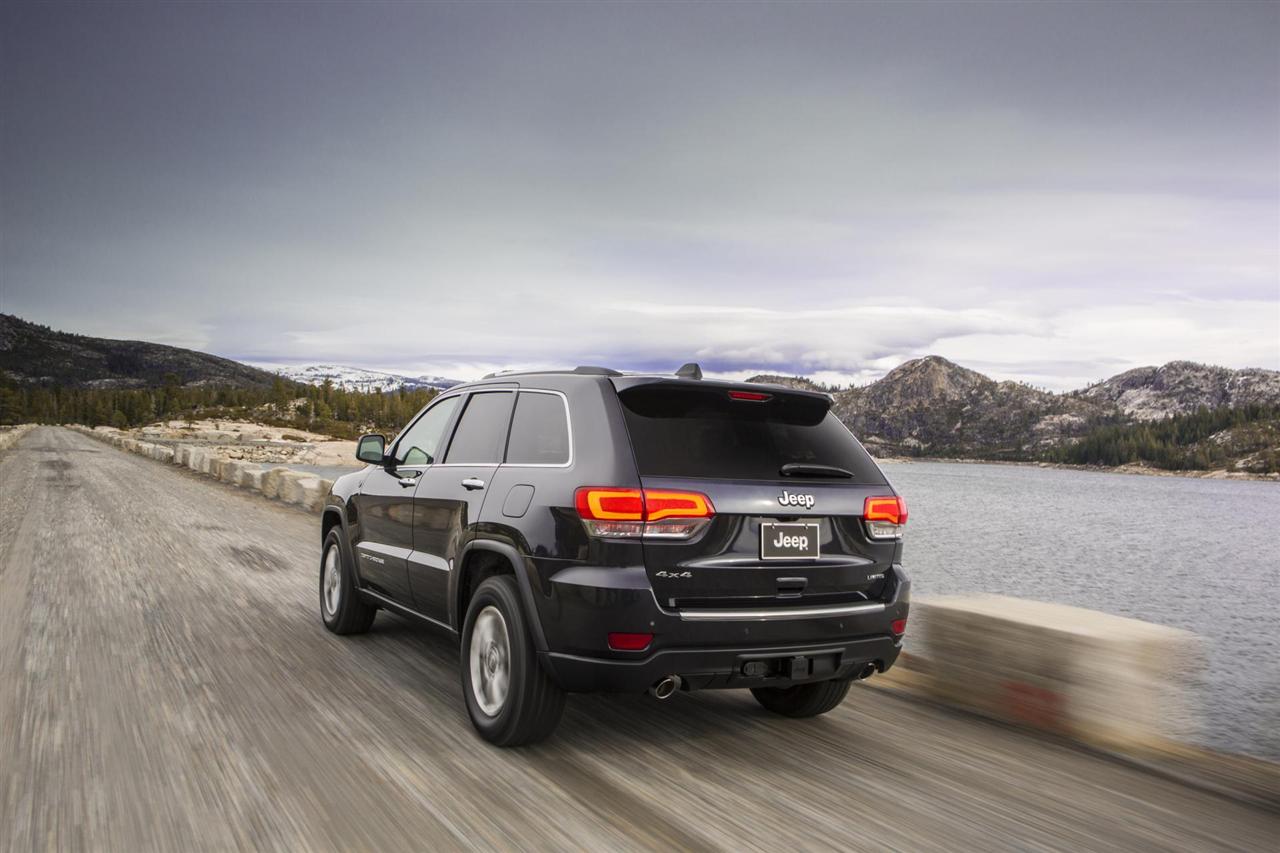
[34,354]
[932,406]
[797,382]
[1182,387]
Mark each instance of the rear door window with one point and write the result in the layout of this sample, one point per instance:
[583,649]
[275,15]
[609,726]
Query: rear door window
[539,430]
[481,435]
[678,431]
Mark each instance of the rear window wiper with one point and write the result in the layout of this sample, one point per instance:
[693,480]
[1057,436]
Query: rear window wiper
[800,469]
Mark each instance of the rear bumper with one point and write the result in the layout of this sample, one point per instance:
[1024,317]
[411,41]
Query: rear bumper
[702,669]
[773,646]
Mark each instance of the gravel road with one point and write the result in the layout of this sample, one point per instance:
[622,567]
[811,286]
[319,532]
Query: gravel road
[166,684]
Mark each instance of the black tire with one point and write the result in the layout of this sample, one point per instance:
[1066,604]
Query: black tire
[803,700]
[350,615]
[531,706]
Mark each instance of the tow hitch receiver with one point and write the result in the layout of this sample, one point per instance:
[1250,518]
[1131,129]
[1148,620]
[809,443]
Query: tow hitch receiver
[818,664]
[797,667]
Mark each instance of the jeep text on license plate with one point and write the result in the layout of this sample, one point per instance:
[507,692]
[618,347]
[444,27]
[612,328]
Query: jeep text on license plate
[788,541]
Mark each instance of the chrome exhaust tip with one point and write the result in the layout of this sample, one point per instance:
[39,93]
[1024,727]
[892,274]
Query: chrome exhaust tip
[867,671]
[664,687]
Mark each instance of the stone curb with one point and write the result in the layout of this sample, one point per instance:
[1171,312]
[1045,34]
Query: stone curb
[10,436]
[1109,681]
[296,488]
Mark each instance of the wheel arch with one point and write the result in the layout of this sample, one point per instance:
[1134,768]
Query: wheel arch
[482,558]
[331,518]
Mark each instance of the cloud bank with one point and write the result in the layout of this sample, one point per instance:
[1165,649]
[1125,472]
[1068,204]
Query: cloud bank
[1045,192]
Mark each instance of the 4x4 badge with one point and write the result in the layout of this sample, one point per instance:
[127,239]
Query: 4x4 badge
[665,574]
[788,499]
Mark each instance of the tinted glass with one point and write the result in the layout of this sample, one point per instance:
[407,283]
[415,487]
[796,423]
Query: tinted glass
[539,430]
[683,432]
[482,432]
[421,441]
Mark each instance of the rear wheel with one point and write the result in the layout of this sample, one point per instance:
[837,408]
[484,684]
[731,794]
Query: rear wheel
[340,607]
[802,700]
[510,699]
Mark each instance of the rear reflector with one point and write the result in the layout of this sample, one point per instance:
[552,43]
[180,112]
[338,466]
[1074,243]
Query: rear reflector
[657,513]
[898,627]
[630,642]
[884,516]
[753,396]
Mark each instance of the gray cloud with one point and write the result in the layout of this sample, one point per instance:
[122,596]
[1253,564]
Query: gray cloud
[1051,191]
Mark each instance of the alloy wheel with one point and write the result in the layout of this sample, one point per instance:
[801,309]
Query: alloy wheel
[490,660]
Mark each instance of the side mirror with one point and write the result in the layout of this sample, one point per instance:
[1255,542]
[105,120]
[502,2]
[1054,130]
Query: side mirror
[371,448]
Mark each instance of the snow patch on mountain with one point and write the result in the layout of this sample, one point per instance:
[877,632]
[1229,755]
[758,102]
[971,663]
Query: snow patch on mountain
[360,379]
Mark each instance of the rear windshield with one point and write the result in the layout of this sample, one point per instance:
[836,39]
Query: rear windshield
[702,432]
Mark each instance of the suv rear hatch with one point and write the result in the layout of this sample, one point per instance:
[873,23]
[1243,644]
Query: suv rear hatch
[787,484]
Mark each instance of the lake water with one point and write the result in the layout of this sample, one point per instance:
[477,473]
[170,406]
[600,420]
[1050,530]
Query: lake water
[1195,554]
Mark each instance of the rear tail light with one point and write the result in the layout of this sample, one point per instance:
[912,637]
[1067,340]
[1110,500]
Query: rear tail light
[753,396]
[659,505]
[610,504]
[884,517]
[652,513]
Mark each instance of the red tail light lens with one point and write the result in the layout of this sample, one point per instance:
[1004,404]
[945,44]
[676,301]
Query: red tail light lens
[884,516]
[629,642]
[652,513]
[892,510]
[897,626]
[753,396]
[660,505]
[610,504]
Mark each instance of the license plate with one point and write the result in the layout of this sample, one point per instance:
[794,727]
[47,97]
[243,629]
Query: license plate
[788,541]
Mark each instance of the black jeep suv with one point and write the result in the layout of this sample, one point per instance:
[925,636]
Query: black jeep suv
[587,530]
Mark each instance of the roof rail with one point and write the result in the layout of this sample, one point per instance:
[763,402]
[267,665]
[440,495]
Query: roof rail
[687,371]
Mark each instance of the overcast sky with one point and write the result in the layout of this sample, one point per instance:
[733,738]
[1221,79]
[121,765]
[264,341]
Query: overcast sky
[1045,192]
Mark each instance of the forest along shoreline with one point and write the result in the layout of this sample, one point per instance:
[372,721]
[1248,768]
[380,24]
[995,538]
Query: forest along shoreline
[1218,474]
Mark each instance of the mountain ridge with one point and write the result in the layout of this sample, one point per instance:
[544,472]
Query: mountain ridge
[928,406]
[933,405]
[32,354]
[1181,387]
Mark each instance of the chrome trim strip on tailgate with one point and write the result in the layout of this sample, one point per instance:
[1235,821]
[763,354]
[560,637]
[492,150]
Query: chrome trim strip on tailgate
[780,613]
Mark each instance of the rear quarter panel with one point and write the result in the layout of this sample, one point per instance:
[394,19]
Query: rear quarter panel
[548,535]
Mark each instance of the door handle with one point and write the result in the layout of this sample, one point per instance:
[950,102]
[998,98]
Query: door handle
[472,483]
[409,479]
